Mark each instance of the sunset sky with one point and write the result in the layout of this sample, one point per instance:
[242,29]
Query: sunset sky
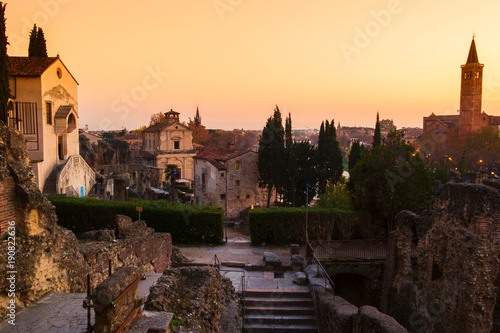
[237,59]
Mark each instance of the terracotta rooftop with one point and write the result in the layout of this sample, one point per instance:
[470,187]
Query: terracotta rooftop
[156,127]
[29,66]
[129,137]
[217,156]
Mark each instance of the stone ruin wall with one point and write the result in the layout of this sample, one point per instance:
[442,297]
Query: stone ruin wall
[49,258]
[452,288]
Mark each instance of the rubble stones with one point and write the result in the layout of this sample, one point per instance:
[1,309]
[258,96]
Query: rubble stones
[129,229]
[300,278]
[99,235]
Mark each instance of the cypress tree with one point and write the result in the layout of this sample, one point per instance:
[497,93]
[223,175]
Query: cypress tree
[377,137]
[354,154]
[270,162]
[4,67]
[32,47]
[41,44]
[37,46]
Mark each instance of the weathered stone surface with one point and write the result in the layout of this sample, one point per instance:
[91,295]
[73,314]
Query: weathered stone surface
[312,271]
[87,151]
[272,259]
[300,278]
[335,314]
[294,249]
[452,288]
[49,258]
[320,285]
[129,229]
[109,319]
[194,294]
[99,235]
[371,320]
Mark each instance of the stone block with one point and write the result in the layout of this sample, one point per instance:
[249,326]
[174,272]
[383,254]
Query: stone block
[271,259]
[320,285]
[297,259]
[300,279]
[294,249]
[370,319]
[129,229]
[312,271]
[109,319]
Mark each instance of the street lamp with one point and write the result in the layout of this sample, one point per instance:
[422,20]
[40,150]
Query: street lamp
[307,206]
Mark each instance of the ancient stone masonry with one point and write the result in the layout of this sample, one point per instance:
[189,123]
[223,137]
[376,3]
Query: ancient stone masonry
[199,298]
[451,288]
[49,258]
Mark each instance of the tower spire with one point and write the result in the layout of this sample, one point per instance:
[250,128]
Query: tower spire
[472,58]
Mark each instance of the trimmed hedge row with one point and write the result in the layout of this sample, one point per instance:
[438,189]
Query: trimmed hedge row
[284,226]
[185,223]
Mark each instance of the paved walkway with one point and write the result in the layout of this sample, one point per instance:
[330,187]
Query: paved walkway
[63,312]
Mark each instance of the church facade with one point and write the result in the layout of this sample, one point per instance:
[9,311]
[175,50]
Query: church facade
[470,117]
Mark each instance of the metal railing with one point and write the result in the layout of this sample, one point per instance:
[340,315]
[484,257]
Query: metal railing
[367,249]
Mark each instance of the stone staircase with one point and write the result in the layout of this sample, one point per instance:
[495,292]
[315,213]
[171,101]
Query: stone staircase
[279,310]
[50,183]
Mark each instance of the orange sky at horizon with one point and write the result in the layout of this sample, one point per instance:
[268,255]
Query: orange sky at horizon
[237,59]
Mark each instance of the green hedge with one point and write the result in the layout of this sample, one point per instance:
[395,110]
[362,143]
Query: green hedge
[284,226]
[185,223]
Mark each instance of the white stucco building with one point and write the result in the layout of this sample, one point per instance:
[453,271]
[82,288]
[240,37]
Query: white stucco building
[44,107]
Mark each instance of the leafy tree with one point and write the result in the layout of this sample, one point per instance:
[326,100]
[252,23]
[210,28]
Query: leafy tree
[200,134]
[4,66]
[377,137]
[271,152]
[157,118]
[354,154]
[139,130]
[387,125]
[390,178]
[37,46]
[336,196]
[483,145]
[109,135]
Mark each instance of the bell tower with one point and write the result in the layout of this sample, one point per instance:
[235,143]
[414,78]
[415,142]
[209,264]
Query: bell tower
[471,93]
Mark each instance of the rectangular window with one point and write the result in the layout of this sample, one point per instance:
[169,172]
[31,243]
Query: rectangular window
[223,196]
[237,165]
[222,174]
[237,182]
[248,196]
[48,112]
[177,144]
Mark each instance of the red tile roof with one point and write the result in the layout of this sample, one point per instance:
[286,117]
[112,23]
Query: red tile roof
[217,156]
[29,66]
[156,127]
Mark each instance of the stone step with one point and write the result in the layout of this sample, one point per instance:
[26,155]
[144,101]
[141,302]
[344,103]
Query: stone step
[280,319]
[279,328]
[278,293]
[280,310]
[278,301]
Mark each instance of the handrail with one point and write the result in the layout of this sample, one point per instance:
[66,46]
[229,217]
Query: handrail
[113,303]
[324,274]
[216,262]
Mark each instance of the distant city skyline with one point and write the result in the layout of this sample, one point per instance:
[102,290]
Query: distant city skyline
[235,60]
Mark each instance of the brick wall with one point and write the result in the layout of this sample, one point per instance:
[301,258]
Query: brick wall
[150,253]
[8,210]
[488,224]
